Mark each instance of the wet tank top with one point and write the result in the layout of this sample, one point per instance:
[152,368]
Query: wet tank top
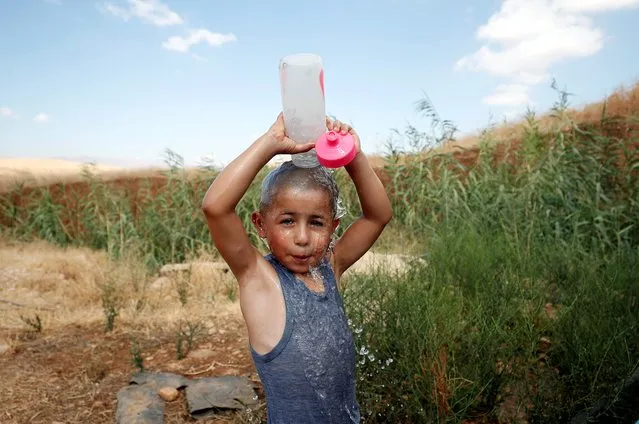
[309,376]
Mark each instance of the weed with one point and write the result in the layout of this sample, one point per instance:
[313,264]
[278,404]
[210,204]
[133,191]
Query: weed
[110,305]
[137,361]
[34,323]
[186,335]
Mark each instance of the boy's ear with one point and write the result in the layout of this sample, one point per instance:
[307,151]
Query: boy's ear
[258,221]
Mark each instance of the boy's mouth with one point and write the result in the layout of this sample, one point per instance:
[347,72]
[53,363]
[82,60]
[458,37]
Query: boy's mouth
[301,258]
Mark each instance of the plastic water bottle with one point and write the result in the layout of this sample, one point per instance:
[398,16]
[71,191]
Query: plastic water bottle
[303,103]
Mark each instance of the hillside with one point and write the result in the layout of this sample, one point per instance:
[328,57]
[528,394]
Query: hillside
[623,102]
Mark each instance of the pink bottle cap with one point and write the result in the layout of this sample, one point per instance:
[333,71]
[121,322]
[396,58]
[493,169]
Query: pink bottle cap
[335,150]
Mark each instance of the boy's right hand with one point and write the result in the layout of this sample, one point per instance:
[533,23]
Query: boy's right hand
[282,144]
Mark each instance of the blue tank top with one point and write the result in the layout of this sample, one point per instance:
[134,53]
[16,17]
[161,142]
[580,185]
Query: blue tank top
[309,376]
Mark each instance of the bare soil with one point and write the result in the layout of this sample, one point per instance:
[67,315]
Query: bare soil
[71,370]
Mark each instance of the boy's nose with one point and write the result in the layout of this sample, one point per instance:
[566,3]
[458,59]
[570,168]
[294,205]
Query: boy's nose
[301,235]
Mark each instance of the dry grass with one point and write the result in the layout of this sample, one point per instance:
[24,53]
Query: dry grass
[65,287]
[624,101]
[71,370]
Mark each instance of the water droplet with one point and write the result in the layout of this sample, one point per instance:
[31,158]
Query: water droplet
[363,351]
[358,330]
[350,322]
[371,357]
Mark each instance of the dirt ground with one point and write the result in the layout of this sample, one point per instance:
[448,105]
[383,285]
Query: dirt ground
[71,370]
[72,375]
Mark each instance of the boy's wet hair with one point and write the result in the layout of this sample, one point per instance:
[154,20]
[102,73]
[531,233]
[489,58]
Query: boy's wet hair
[288,175]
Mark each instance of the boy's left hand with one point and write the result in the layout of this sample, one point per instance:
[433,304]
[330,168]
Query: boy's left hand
[342,128]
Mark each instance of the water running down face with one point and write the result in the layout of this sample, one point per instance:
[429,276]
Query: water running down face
[298,215]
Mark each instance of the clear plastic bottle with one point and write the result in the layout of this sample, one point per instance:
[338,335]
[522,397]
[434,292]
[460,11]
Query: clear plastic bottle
[303,104]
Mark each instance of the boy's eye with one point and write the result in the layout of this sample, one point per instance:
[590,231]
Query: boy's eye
[317,223]
[287,221]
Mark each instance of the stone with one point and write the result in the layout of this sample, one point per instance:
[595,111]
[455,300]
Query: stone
[206,396]
[139,405]
[169,269]
[160,283]
[169,394]
[372,262]
[158,380]
[195,267]
[620,408]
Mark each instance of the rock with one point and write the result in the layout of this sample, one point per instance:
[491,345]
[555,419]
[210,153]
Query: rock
[620,408]
[209,268]
[169,269]
[370,262]
[139,405]
[159,380]
[207,395]
[195,267]
[169,394]
[160,283]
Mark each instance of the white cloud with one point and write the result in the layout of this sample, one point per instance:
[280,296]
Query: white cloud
[594,5]
[157,13]
[197,36]
[153,11]
[525,38]
[532,37]
[6,112]
[509,95]
[42,118]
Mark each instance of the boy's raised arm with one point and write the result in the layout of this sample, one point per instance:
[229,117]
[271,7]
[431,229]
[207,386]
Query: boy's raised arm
[221,199]
[376,213]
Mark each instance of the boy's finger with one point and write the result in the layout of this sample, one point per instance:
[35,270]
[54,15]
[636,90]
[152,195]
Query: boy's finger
[301,148]
[329,123]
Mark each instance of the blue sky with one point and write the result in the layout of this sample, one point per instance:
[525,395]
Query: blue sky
[123,80]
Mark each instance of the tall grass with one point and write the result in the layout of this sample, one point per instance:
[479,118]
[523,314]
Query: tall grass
[158,218]
[527,306]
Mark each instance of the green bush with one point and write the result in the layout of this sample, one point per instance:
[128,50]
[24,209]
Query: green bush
[527,304]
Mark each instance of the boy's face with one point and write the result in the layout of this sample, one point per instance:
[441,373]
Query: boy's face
[298,226]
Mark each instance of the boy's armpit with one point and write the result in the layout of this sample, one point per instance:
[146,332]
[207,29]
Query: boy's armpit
[231,240]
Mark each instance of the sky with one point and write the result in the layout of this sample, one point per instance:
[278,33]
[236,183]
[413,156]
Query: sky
[121,81]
